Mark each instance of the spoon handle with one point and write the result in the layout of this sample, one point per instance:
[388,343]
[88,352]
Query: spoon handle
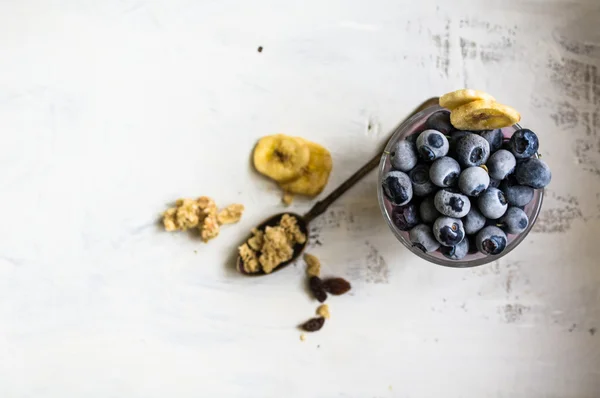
[322,205]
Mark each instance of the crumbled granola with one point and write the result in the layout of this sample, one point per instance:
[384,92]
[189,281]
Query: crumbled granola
[323,310]
[293,232]
[276,249]
[169,219]
[274,245]
[249,258]
[302,336]
[231,214]
[207,205]
[200,213]
[185,215]
[210,227]
[313,265]
[257,240]
[287,198]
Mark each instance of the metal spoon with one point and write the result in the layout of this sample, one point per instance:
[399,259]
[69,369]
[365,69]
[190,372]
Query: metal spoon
[320,207]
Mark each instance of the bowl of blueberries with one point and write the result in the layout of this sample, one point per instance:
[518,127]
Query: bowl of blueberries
[460,198]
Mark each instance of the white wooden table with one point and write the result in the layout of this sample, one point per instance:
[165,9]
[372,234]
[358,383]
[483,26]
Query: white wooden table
[110,110]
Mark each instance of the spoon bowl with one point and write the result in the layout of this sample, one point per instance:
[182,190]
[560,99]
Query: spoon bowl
[322,205]
[272,222]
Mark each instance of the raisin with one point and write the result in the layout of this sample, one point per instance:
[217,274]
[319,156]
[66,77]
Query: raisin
[314,324]
[316,287]
[336,286]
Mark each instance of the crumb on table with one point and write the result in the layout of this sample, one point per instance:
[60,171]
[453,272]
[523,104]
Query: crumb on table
[208,212]
[210,228]
[313,265]
[231,214]
[287,198]
[185,215]
[323,310]
[200,213]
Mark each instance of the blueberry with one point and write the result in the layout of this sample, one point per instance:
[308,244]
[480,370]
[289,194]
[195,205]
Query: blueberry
[492,203]
[491,240]
[431,144]
[473,181]
[448,231]
[524,144]
[405,217]
[501,164]
[397,188]
[494,137]
[457,252]
[444,172]
[419,176]
[514,220]
[516,195]
[440,121]
[422,237]
[472,150]
[534,173]
[473,221]
[452,204]
[457,135]
[403,155]
[427,211]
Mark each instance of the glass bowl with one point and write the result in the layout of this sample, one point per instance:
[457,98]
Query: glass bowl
[415,125]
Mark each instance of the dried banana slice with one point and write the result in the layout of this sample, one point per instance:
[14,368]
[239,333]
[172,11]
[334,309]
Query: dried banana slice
[483,115]
[315,175]
[281,157]
[462,97]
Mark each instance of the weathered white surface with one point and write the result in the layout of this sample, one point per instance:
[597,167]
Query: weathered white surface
[109,110]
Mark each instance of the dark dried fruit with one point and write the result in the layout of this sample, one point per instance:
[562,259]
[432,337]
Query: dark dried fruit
[314,324]
[316,287]
[336,286]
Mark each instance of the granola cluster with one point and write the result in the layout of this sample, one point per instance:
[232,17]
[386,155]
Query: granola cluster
[287,198]
[201,213]
[231,214]
[267,249]
[313,265]
[323,310]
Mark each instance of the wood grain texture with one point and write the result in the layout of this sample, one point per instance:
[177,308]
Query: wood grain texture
[111,110]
